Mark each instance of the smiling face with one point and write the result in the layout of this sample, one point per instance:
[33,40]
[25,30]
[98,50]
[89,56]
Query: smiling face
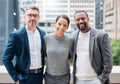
[61,26]
[31,18]
[82,21]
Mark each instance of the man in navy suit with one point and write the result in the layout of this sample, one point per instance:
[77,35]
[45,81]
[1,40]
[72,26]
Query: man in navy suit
[27,46]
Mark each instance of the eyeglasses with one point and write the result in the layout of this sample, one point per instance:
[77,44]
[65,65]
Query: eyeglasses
[32,15]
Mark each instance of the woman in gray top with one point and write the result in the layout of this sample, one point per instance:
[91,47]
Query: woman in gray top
[58,50]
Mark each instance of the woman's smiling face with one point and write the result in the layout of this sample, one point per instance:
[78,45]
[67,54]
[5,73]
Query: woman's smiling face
[61,26]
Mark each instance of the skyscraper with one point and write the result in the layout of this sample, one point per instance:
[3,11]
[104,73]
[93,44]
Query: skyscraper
[99,14]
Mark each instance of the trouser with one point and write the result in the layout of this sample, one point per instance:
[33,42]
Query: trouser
[33,79]
[95,81]
[61,79]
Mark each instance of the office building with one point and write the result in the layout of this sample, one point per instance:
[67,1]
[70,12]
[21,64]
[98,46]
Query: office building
[49,10]
[111,18]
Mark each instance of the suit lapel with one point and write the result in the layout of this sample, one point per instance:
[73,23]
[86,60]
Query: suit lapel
[40,37]
[91,43]
[76,39]
[24,34]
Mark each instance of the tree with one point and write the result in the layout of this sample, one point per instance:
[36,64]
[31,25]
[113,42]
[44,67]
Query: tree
[116,51]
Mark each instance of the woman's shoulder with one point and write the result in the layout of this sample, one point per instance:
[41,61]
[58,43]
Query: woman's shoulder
[49,35]
[68,37]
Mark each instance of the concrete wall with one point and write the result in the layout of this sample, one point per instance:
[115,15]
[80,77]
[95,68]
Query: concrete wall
[6,79]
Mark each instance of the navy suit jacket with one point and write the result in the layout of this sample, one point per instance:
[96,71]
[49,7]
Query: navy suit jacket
[18,47]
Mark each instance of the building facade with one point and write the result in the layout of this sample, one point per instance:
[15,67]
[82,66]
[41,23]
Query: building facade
[49,10]
[54,8]
[111,18]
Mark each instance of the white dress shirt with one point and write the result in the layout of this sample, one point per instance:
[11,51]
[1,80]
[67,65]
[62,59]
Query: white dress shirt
[35,49]
[84,70]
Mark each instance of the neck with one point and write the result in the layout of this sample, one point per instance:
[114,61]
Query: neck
[59,35]
[31,28]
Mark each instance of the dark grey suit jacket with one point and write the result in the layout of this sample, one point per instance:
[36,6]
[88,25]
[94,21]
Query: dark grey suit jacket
[100,54]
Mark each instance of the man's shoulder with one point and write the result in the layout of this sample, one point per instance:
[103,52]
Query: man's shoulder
[41,30]
[74,33]
[98,31]
[18,32]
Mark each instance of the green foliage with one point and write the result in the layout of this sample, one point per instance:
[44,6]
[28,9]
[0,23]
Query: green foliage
[115,51]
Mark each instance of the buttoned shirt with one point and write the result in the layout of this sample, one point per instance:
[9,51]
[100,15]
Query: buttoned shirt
[35,49]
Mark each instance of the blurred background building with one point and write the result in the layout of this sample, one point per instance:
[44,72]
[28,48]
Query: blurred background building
[9,21]
[111,18]
[50,9]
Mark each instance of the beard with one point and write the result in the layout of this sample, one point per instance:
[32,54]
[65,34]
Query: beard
[32,23]
[82,28]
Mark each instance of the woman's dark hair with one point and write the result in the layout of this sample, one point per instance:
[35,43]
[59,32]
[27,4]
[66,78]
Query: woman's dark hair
[63,16]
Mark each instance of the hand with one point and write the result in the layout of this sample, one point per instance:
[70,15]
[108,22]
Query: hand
[17,82]
[101,82]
